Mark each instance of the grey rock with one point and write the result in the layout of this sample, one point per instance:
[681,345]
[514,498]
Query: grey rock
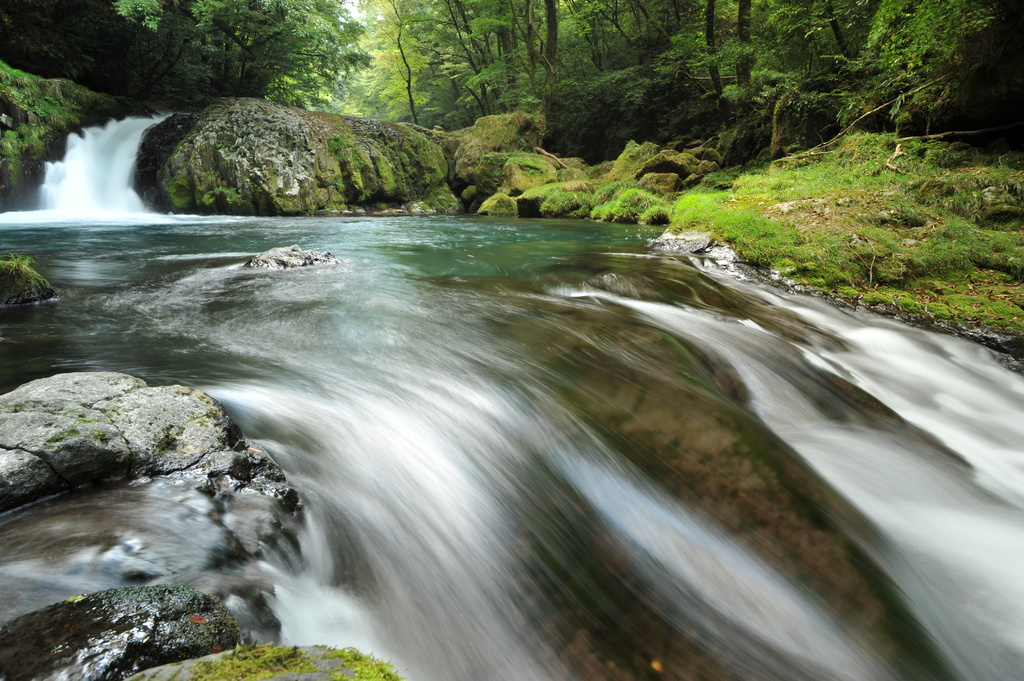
[113,634]
[685,242]
[284,257]
[85,427]
[25,478]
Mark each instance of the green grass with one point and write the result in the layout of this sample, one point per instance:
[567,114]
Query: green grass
[17,274]
[934,230]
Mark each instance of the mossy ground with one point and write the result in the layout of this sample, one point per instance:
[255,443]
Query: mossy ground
[256,663]
[933,230]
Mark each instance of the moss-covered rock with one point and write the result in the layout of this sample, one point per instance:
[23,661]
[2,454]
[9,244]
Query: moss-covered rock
[558,200]
[253,157]
[38,113]
[630,161]
[110,635]
[681,164]
[499,204]
[634,206]
[526,171]
[257,663]
[20,284]
[661,183]
[472,147]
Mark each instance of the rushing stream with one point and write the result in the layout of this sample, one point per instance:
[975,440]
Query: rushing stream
[536,449]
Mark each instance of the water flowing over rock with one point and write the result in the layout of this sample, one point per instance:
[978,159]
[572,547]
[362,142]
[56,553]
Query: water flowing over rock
[110,635]
[253,157]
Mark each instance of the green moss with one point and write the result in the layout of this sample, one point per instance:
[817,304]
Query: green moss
[256,663]
[920,238]
[523,172]
[499,204]
[631,160]
[17,274]
[363,667]
[62,435]
[632,206]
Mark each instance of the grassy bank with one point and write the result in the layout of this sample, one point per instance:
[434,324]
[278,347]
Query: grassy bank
[929,228]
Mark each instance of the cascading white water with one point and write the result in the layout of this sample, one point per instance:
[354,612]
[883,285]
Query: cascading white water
[95,176]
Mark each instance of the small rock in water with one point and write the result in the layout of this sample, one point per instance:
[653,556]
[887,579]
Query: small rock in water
[113,634]
[685,242]
[284,257]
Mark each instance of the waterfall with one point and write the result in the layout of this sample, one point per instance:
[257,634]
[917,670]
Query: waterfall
[95,176]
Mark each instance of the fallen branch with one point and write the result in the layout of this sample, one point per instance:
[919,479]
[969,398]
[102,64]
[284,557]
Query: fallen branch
[548,154]
[962,133]
[899,152]
[862,117]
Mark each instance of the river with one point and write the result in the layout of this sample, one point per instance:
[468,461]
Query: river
[534,449]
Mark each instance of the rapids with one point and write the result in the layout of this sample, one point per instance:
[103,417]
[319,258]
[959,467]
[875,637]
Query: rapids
[526,448]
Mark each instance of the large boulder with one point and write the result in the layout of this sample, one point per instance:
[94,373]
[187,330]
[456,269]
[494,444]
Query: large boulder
[631,160]
[523,172]
[680,163]
[481,150]
[158,143]
[111,635]
[253,157]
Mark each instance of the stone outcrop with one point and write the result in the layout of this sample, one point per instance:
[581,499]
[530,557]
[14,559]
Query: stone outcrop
[286,257]
[110,635]
[253,157]
[158,143]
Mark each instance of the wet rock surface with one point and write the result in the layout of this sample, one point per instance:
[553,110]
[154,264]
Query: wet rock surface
[158,143]
[152,484]
[286,257]
[112,634]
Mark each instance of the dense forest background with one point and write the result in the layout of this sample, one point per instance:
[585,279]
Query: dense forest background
[597,73]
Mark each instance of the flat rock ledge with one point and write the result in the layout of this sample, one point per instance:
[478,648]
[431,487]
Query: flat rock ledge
[276,663]
[113,634]
[70,430]
[285,257]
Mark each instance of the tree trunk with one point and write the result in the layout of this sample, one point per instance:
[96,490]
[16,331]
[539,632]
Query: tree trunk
[709,37]
[743,34]
[837,30]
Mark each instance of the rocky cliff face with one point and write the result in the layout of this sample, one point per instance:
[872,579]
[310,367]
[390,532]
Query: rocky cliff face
[253,157]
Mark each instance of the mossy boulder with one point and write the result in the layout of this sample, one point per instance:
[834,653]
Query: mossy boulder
[113,634]
[558,200]
[631,160]
[39,113]
[682,164]
[661,183]
[634,206]
[706,154]
[526,171]
[253,157]
[473,148]
[277,663]
[20,284]
[499,204]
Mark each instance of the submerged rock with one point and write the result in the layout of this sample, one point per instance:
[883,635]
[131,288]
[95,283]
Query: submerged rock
[284,257]
[276,663]
[112,634]
[254,157]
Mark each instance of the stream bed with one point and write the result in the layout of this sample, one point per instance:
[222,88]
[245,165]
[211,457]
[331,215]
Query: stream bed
[534,449]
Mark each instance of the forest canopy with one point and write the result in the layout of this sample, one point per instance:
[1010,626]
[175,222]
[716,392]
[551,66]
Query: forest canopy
[596,72]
